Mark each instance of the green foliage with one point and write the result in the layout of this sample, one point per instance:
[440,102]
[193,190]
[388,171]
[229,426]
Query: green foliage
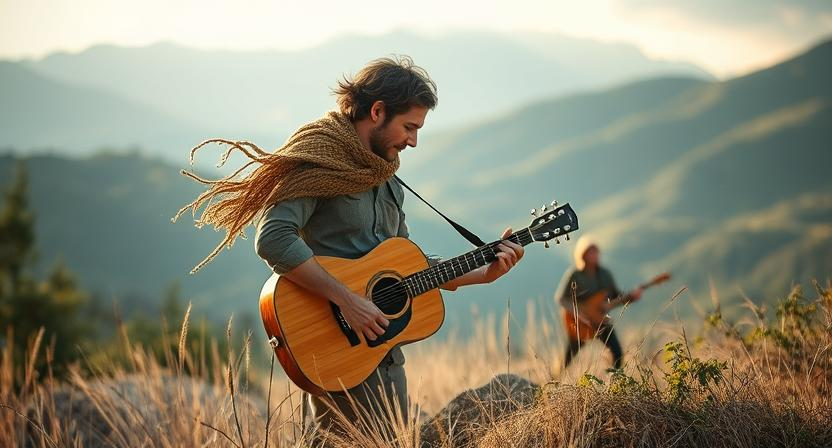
[795,324]
[17,234]
[160,338]
[714,318]
[799,328]
[688,375]
[66,313]
[589,381]
[28,304]
[622,384]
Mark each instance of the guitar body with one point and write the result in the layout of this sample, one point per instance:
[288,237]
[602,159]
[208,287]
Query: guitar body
[592,313]
[320,354]
[313,342]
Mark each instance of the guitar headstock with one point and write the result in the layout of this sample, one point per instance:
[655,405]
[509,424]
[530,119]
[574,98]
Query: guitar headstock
[553,224]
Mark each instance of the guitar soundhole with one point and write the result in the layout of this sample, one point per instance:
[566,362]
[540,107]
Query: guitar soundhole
[389,295]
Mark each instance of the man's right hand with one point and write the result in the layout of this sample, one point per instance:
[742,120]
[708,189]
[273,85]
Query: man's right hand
[363,316]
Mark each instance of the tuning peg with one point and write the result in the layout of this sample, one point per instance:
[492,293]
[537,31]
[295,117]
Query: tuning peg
[567,237]
[554,204]
[557,241]
[543,209]
[534,212]
[546,235]
[546,244]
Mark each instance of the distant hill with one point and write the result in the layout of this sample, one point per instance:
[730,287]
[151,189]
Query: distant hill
[767,250]
[108,217]
[37,111]
[264,95]
[658,167]
[717,181]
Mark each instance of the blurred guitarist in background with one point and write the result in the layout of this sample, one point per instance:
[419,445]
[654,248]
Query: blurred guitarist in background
[585,293]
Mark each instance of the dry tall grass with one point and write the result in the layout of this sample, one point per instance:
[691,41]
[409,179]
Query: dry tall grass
[763,381]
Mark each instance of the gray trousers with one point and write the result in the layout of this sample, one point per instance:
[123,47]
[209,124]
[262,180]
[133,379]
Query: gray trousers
[373,405]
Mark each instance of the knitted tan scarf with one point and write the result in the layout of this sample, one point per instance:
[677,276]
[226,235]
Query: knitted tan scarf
[324,158]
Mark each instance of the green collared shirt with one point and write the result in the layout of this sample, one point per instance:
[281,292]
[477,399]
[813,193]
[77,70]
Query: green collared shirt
[346,226]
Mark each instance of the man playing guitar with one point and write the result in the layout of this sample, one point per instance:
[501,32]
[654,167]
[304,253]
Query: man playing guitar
[330,192]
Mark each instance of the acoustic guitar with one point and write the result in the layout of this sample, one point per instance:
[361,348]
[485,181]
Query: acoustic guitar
[592,312]
[313,342]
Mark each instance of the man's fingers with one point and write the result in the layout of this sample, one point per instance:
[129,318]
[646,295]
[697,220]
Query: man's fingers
[369,334]
[375,327]
[518,249]
[506,233]
[505,261]
[504,250]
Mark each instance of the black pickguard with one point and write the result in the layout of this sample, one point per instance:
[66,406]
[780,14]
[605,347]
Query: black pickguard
[390,297]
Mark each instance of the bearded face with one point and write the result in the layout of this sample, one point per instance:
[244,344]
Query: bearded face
[394,135]
[380,143]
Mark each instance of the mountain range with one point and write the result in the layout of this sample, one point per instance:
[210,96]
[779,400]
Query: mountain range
[724,183]
[186,95]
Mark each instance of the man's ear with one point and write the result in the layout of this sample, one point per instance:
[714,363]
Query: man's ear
[377,112]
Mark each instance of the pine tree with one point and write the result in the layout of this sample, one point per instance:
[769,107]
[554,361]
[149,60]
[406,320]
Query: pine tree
[27,304]
[17,233]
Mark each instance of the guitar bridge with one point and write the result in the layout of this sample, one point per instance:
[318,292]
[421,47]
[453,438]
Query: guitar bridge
[345,327]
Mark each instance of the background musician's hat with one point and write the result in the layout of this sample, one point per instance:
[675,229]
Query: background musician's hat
[584,243]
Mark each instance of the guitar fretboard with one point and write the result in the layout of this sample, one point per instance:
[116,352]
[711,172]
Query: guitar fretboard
[434,276]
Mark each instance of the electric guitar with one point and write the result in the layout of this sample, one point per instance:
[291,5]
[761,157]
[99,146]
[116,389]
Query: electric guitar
[317,348]
[592,312]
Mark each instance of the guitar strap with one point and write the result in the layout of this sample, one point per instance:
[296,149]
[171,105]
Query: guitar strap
[467,234]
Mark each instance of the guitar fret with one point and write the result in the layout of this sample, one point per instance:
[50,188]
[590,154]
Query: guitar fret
[437,275]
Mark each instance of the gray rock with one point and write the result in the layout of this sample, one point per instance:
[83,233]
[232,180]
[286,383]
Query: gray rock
[470,413]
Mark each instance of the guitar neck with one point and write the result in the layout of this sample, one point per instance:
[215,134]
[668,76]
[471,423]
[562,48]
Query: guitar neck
[439,274]
[619,300]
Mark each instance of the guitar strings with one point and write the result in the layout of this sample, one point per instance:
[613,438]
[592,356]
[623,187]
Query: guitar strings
[391,294]
[387,295]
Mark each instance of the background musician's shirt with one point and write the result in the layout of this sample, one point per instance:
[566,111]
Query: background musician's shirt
[586,285]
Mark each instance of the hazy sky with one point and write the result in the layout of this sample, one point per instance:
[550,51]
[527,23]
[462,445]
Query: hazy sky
[727,37]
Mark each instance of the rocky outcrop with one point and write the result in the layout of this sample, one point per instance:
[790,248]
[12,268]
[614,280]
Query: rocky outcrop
[470,413]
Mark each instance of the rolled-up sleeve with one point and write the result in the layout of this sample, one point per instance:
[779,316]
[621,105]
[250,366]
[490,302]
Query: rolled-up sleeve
[278,241]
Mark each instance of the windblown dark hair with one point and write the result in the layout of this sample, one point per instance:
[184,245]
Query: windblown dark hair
[395,81]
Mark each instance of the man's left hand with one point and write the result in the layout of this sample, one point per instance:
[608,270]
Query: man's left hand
[509,254]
